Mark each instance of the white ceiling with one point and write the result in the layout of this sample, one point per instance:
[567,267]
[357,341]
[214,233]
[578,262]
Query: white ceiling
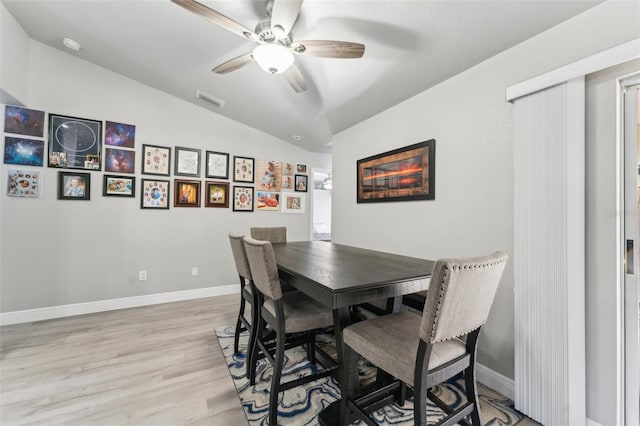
[411,45]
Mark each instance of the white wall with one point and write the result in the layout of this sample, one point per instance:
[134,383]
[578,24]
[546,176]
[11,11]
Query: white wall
[63,252]
[14,44]
[473,128]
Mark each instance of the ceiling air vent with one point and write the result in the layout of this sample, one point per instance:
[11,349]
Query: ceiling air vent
[211,99]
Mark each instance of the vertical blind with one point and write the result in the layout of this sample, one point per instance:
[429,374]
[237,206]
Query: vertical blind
[549,254]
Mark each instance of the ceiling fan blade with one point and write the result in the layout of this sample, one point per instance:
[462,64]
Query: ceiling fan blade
[295,79]
[284,15]
[233,64]
[217,17]
[328,48]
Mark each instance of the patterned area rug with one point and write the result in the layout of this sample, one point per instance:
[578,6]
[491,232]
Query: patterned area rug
[300,406]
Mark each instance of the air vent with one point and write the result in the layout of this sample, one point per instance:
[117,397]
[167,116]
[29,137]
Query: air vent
[211,99]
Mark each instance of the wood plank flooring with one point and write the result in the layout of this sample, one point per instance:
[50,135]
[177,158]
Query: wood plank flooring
[153,365]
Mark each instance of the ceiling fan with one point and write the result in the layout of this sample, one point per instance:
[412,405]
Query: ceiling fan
[275,49]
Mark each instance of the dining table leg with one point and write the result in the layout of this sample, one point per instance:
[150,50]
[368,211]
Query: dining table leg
[331,415]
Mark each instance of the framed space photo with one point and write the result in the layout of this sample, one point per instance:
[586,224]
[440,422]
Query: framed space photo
[119,161]
[301,183]
[23,121]
[74,186]
[119,134]
[186,193]
[217,165]
[154,194]
[23,152]
[156,160]
[267,201]
[23,183]
[187,162]
[119,186]
[78,140]
[292,202]
[243,169]
[242,198]
[216,194]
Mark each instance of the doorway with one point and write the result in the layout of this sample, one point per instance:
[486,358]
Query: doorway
[321,205]
[630,294]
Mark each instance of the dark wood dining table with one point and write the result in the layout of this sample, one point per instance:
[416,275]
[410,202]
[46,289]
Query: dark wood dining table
[340,276]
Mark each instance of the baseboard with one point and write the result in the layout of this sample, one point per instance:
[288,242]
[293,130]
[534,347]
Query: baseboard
[496,381]
[39,314]
[592,423]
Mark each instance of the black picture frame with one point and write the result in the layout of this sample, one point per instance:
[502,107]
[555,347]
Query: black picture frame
[187,162]
[74,186]
[240,203]
[403,174]
[156,160]
[119,186]
[155,194]
[75,143]
[243,169]
[186,193]
[216,194]
[301,183]
[217,165]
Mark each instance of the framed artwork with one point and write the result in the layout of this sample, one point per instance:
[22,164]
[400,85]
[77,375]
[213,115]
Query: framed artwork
[119,160]
[119,186]
[269,175]
[216,194]
[187,162]
[23,121]
[79,139]
[217,165]
[119,134]
[287,182]
[243,168]
[302,168]
[404,174]
[186,193]
[268,201]
[287,169]
[156,160]
[23,184]
[302,183]
[293,202]
[243,198]
[154,194]
[74,186]
[24,152]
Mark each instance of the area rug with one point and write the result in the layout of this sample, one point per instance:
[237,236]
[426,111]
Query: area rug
[300,406]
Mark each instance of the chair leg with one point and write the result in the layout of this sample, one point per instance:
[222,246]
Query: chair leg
[420,406]
[472,394]
[311,346]
[252,341]
[253,346]
[278,362]
[350,376]
[238,326]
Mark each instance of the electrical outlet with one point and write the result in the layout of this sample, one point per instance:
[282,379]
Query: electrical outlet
[142,275]
[194,271]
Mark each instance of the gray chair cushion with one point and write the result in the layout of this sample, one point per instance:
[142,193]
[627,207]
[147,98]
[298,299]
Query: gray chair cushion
[391,343]
[276,234]
[301,312]
[264,269]
[240,255]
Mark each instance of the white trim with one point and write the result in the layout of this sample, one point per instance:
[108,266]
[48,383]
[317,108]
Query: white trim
[605,59]
[592,423]
[496,381]
[39,314]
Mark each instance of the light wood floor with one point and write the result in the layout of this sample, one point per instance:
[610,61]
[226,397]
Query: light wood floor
[154,365]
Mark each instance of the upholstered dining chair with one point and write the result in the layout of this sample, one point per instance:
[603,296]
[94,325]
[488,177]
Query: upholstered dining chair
[246,295]
[422,351]
[276,234]
[289,314]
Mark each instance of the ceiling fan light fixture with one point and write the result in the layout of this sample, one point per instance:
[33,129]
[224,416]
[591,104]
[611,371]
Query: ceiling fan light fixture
[273,58]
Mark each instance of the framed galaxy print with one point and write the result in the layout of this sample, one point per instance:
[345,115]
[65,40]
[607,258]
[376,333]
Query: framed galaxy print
[23,121]
[119,160]
[24,152]
[119,134]
[242,198]
[78,140]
